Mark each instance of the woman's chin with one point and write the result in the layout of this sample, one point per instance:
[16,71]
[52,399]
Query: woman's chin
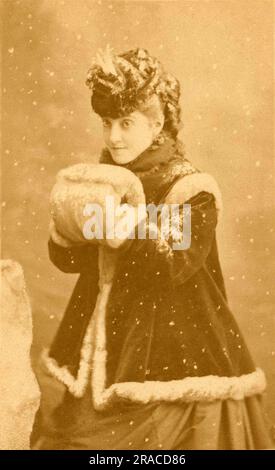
[122,156]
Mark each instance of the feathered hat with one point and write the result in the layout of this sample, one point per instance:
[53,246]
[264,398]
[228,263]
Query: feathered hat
[121,83]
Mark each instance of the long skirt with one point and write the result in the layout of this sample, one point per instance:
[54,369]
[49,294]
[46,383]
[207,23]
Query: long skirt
[74,424]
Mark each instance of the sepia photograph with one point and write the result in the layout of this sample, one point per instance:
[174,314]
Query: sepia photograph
[137,221]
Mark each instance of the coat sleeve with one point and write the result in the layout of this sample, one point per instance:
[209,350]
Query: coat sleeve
[73,259]
[204,201]
[70,257]
[183,263]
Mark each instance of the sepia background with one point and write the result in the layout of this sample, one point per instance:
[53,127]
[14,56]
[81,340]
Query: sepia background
[221,51]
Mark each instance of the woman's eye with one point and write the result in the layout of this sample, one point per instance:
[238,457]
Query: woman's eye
[126,123]
[105,123]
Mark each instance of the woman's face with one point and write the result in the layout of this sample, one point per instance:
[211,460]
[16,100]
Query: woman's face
[127,137]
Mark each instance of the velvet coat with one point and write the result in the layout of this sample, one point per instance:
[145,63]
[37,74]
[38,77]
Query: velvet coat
[147,323]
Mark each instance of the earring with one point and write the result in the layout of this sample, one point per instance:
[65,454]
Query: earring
[158,140]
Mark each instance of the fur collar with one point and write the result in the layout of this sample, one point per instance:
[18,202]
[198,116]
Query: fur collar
[157,166]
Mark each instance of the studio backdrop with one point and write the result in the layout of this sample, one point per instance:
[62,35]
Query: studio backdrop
[221,51]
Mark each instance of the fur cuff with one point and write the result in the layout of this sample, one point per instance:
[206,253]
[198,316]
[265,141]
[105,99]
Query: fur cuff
[191,185]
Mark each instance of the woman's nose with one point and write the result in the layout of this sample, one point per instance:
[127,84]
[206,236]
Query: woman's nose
[115,133]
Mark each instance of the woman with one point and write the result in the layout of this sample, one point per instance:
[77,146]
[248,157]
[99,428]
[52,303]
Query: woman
[148,349]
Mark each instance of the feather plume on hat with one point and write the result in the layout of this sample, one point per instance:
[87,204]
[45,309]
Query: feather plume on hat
[119,83]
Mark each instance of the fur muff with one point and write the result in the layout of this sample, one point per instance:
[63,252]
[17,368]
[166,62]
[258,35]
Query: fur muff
[83,184]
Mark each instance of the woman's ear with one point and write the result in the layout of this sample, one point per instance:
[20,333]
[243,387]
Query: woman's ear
[158,125]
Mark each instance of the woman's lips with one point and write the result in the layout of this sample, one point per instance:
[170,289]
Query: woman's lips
[118,149]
